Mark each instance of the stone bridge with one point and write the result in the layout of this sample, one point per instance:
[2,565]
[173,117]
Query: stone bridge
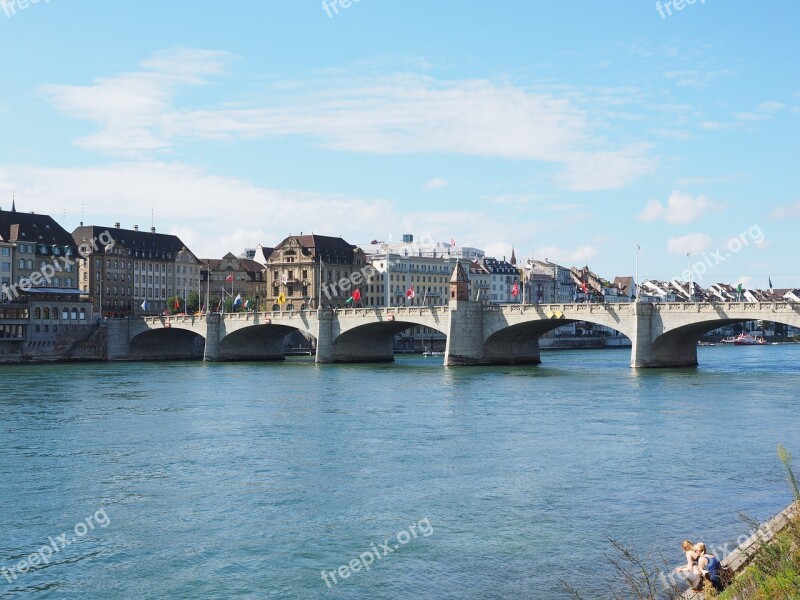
[662,335]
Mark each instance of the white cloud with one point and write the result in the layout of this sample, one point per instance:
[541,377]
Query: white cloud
[566,257]
[695,243]
[681,208]
[208,211]
[350,111]
[789,211]
[436,183]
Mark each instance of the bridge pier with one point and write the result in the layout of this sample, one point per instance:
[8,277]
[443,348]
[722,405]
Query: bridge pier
[465,334]
[651,348]
[213,329]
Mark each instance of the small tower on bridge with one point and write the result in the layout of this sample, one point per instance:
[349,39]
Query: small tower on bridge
[459,284]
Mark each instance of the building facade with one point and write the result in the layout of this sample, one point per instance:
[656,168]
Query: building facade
[232,276]
[136,271]
[310,271]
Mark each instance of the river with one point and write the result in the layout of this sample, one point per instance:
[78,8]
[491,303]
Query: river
[197,480]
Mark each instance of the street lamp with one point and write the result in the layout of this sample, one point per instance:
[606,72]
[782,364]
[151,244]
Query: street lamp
[691,287]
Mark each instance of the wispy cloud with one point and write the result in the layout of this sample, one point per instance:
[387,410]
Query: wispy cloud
[681,208]
[435,184]
[695,243]
[355,112]
[787,211]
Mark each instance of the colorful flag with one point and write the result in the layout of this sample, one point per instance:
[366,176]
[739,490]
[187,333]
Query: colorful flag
[739,289]
[410,293]
[357,295]
[281,298]
[349,300]
[452,242]
[144,305]
[238,300]
[515,290]
[229,277]
[177,304]
[284,278]
[583,286]
[247,304]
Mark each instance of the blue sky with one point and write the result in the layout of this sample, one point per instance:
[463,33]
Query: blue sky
[570,130]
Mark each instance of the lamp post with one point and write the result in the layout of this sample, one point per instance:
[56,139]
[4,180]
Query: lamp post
[636,283]
[691,286]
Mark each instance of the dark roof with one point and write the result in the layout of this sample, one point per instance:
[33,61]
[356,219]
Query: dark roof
[35,229]
[265,252]
[499,266]
[459,274]
[329,249]
[157,245]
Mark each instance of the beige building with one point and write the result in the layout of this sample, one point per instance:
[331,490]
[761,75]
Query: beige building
[136,272]
[231,276]
[310,271]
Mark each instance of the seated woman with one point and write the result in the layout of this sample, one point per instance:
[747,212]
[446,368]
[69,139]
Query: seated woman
[693,574]
[709,565]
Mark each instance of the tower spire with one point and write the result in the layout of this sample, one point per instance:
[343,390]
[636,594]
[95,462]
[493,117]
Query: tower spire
[13,203]
[513,257]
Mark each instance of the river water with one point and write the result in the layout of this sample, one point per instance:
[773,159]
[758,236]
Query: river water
[192,480]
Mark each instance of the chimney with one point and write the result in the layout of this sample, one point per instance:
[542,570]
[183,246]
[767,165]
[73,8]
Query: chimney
[136,228]
[116,225]
[152,230]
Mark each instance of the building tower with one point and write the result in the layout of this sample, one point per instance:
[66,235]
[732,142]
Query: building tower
[459,284]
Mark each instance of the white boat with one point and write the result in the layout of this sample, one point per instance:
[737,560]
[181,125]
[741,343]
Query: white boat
[745,339]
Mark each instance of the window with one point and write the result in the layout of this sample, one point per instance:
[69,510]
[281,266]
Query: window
[83,314]
[74,314]
[6,251]
[37,313]
[65,314]
[6,267]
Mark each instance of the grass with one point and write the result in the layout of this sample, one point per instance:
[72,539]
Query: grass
[774,573]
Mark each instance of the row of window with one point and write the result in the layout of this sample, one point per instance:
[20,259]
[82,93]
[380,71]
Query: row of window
[67,314]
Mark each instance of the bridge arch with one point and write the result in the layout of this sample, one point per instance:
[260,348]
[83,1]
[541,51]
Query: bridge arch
[167,343]
[511,333]
[367,335]
[257,342]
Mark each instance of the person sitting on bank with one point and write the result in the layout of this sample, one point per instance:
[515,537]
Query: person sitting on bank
[709,565]
[692,571]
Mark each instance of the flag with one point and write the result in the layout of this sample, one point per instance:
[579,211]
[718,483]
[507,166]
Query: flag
[246,304]
[739,289]
[583,286]
[770,283]
[177,304]
[281,298]
[515,289]
[357,295]
[452,242]
[410,293]
[229,277]
[349,300]
[284,278]
[238,300]
[144,305]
